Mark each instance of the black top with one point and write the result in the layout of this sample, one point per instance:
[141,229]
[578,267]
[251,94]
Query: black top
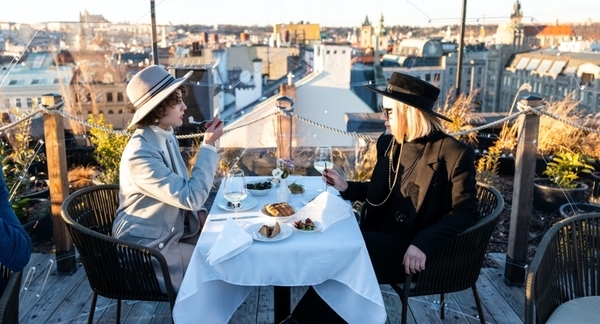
[402,200]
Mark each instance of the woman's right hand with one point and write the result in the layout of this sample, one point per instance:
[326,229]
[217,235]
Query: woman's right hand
[334,179]
[214,131]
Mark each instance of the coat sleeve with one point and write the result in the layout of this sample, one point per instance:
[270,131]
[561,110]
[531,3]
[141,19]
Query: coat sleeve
[464,206]
[155,179]
[15,242]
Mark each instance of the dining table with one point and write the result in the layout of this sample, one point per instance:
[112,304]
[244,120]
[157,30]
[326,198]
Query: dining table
[334,261]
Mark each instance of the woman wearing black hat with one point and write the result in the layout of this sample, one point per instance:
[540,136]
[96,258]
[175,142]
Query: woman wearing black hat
[422,191]
[161,204]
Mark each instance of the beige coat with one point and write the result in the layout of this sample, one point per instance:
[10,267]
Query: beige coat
[158,205]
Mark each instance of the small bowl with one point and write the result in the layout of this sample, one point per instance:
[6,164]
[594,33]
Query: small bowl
[259,187]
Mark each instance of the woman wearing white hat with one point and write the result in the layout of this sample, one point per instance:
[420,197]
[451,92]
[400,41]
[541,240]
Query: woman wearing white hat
[161,204]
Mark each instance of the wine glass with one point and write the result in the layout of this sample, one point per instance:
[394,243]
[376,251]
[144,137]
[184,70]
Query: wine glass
[234,188]
[323,160]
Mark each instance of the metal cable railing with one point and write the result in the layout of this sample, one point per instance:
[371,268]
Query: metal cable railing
[523,109]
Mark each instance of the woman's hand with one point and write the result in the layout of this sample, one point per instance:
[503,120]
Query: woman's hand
[214,131]
[202,216]
[414,260]
[334,179]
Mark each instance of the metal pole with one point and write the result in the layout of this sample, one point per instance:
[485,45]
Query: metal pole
[460,48]
[154,40]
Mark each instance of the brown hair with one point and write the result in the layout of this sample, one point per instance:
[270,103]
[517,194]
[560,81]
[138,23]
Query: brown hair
[162,108]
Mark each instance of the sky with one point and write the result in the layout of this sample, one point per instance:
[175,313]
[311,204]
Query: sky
[328,13]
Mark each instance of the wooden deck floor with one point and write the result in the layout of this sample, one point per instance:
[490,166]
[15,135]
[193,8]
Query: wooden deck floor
[47,297]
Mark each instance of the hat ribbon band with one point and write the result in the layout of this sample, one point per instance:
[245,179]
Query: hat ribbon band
[161,85]
[391,88]
[414,101]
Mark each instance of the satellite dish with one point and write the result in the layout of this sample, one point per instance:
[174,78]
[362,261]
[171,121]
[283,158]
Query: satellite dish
[245,77]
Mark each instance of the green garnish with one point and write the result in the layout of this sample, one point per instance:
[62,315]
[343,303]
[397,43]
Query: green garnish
[296,188]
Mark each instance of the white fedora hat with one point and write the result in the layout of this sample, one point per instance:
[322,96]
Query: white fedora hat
[150,87]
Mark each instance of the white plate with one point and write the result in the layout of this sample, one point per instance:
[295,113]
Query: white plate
[318,228]
[286,231]
[247,203]
[279,218]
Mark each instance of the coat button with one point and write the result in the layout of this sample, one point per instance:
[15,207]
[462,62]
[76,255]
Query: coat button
[161,245]
[172,229]
[400,217]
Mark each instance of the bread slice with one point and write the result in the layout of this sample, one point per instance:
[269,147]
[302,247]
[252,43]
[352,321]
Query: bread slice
[270,231]
[279,209]
[276,230]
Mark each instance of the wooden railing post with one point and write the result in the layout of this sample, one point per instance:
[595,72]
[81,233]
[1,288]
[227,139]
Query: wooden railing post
[54,135]
[285,124]
[520,217]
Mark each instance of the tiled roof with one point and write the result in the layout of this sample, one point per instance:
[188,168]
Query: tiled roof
[532,30]
[560,30]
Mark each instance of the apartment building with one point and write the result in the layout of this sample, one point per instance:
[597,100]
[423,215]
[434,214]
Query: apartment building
[553,75]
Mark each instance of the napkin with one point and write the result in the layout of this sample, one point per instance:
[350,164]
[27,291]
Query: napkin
[326,208]
[231,241]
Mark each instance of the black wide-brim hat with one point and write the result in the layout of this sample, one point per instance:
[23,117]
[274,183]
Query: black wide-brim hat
[413,92]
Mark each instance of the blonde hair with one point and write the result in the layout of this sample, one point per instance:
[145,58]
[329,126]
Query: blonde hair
[412,123]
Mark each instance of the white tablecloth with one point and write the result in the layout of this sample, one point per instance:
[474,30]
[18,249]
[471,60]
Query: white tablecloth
[335,263]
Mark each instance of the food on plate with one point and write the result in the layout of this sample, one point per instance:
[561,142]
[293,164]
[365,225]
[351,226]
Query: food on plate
[307,225]
[232,205]
[270,231]
[279,209]
[296,188]
[262,185]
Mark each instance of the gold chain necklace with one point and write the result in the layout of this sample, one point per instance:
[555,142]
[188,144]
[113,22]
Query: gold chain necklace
[390,152]
[403,177]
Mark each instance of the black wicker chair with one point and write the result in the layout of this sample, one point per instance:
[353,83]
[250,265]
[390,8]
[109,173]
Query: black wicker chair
[9,301]
[563,280]
[456,266]
[115,268]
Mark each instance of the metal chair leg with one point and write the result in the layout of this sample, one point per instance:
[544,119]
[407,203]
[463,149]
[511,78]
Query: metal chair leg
[404,298]
[442,305]
[478,303]
[92,308]
[404,309]
[118,311]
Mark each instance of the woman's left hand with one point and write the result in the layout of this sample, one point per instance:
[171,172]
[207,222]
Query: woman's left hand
[414,260]
[202,215]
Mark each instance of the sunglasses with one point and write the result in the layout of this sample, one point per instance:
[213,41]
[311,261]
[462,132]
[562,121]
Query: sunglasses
[385,111]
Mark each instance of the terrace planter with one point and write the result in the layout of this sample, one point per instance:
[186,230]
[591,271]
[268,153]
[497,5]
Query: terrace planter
[549,198]
[595,184]
[507,166]
[36,219]
[572,209]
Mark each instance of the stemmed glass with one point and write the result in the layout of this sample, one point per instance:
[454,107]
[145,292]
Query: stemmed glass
[234,188]
[323,160]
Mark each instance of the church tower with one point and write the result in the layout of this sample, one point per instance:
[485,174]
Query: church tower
[366,31]
[516,24]
[81,40]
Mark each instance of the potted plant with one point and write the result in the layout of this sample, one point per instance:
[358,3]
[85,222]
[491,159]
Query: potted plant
[27,186]
[35,216]
[108,148]
[561,186]
[572,209]
[596,185]
[18,156]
